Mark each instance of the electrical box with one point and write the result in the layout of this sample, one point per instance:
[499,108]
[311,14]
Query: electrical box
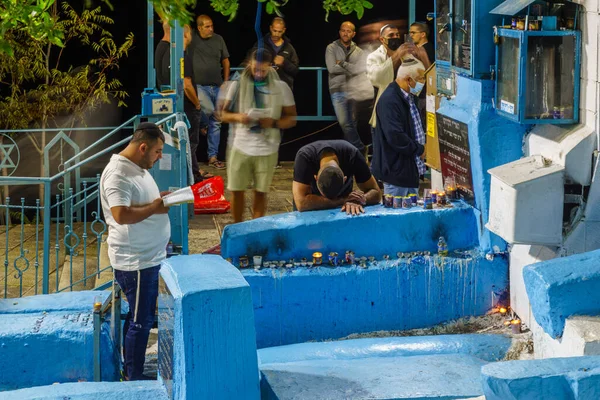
[526,201]
[157,103]
[464,44]
[538,63]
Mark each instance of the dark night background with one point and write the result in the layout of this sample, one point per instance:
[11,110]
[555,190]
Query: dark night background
[306,28]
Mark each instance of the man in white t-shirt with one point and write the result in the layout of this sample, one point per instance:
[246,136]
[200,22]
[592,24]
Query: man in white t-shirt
[258,106]
[138,233]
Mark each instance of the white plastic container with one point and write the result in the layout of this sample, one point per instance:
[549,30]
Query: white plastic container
[526,201]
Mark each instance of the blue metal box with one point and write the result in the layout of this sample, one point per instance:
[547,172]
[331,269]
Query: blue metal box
[464,41]
[537,76]
[155,103]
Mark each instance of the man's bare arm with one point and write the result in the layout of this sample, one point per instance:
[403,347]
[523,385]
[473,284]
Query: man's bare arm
[306,201]
[124,215]
[371,190]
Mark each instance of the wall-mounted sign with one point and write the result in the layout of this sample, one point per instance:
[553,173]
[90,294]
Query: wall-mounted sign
[455,154]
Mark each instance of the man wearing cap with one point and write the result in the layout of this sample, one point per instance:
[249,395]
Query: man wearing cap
[324,173]
[138,233]
[399,138]
[383,63]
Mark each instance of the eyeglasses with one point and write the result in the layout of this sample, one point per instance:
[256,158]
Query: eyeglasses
[414,32]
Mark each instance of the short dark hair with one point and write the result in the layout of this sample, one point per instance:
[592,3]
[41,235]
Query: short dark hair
[331,181]
[147,132]
[423,27]
[261,54]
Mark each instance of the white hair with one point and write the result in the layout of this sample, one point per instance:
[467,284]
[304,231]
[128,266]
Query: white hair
[410,69]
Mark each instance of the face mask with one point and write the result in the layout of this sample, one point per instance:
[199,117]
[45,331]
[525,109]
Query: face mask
[393,43]
[417,89]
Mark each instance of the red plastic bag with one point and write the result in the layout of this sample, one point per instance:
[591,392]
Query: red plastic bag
[209,196]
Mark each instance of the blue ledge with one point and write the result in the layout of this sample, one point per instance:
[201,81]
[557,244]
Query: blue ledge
[141,390]
[304,304]
[428,367]
[549,379]
[377,232]
[207,342]
[44,348]
[68,301]
[486,347]
[562,287]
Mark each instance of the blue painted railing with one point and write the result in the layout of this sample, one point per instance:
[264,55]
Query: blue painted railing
[66,229]
[62,229]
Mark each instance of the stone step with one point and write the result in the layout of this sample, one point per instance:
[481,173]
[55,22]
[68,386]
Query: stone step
[581,337]
[425,367]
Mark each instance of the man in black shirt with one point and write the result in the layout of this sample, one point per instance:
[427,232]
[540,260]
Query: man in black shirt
[419,33]
[285,60]
[324,173]
[162,58]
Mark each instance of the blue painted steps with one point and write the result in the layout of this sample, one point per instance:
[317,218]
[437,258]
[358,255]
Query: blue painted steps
[425,367]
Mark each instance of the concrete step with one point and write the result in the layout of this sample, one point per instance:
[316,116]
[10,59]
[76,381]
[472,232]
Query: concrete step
[425,367]
[581,337]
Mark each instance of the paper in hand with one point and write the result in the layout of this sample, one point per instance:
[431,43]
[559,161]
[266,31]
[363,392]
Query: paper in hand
[258,113]
[184,195]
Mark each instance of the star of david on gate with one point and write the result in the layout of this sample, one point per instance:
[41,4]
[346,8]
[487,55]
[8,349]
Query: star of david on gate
[7,152]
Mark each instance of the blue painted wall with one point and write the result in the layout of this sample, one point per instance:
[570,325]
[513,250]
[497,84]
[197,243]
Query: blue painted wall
[43,348]
[548,379]
[493,141]
[563,287]
[214,353]
[140,390]
[298,305]
[377,232]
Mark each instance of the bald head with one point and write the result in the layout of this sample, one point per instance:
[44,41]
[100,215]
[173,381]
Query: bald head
[277,29]
[347,32]
[205,26]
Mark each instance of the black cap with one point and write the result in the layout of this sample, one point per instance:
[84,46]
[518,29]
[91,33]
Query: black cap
[148,131]
[330,182]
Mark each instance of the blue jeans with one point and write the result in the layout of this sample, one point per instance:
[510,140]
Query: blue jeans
[398,190]
[141,290]
[345,112]
[208,100]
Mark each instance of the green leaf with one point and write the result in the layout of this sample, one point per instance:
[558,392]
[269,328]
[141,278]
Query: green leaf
[360,12]
[269,8]
[367,4]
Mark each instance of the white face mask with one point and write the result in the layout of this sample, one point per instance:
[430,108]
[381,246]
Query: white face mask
[417,89]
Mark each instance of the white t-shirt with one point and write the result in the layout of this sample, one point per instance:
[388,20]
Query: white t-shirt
[134,246]
[253,143]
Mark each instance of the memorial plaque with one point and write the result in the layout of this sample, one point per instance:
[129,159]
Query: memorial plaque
[166,318]
[455,154]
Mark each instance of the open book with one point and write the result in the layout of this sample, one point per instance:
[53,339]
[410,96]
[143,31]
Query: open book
[184,195]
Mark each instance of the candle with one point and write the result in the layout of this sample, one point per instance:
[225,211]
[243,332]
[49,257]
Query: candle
[317,258]
[257,261]
[502,310]
[515,326]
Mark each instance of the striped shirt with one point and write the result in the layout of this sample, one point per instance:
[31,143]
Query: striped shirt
[419,131]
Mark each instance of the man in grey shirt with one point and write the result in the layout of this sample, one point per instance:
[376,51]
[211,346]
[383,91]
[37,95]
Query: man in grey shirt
[210,57]
[348,83]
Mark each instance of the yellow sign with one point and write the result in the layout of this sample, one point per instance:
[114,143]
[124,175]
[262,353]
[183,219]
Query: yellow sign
[431,124]
[181,68]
